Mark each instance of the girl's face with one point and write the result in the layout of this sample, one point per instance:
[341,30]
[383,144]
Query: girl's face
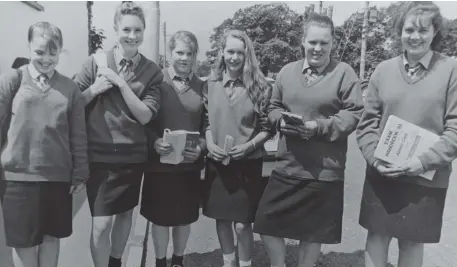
[318,45]
[130,32]
[234,55]
[43,58]
[417,35]
[182,58]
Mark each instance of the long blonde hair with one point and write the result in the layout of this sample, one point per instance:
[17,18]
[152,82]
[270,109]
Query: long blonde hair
[259,89]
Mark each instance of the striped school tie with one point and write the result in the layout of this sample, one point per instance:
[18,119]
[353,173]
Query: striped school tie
[43,80]
[231,89]
[182,83]
[413,72]
[311,74]
[126,67]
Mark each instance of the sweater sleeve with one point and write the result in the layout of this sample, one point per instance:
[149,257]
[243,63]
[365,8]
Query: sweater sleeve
[206,126]
[343,123]
[368,131]
[78,139]
[276,106]
[86,75]
[7,83]
[265,124]
[152,95]
[444,151]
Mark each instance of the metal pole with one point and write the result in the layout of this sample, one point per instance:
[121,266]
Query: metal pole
[150,47]
[330,11]
[363,50]
[164,44]
[320,7]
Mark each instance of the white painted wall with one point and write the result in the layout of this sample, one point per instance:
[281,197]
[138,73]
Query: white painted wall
[70,17]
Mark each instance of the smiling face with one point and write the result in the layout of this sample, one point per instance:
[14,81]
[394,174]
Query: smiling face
[318,45]
[44,53]
[182,58]
[130,32]
[417,35]
[234,55]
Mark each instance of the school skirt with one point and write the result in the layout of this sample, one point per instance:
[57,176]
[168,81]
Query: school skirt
[301,209]
[113,188]
[392,207]
[32,210]
[171,198]
[233,192]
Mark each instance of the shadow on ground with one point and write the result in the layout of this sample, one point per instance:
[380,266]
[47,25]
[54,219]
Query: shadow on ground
[260,259]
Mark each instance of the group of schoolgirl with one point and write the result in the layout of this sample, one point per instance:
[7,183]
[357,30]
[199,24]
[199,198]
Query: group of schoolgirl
[98,129]
[103,129]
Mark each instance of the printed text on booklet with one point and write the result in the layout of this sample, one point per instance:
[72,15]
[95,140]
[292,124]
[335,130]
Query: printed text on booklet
[401,140]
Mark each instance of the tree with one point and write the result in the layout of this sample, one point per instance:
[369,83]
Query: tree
[203,68]
[382,41]
[89,5]
[448,44]
[348,41]
[274,29]
[96,36]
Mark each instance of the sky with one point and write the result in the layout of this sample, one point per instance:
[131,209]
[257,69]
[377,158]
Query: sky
[201,17]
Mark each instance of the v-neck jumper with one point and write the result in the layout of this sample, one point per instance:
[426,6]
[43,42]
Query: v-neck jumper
[430,103]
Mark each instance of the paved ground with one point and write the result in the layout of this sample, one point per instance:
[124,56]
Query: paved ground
[204,251]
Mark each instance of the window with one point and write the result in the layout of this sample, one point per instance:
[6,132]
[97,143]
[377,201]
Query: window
[34,5]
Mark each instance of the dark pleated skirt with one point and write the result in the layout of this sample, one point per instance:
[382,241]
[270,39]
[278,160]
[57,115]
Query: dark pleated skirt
[233,192]
[113,188]
[407,211]
[32,210]
[171,198]
[301,209]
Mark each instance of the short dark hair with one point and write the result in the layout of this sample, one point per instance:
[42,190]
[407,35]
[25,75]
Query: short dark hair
[49,31]
[319,20]
[419,8]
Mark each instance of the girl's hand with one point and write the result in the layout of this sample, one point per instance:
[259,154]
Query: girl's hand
[101,85]
[308,130]
[111,76]
[413,167]
[215,152]
[241,151]
[191,154]
[387,169]
[162,148]
[74,189]
[288,129]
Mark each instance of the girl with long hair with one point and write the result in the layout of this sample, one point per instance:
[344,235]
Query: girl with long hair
[237,127]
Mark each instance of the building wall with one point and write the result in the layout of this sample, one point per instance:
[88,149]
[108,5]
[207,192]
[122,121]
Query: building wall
[70,17]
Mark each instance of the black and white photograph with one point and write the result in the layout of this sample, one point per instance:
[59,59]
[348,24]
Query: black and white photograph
[228,133]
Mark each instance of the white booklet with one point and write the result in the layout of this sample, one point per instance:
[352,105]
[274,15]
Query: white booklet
[402,140]
[179,140]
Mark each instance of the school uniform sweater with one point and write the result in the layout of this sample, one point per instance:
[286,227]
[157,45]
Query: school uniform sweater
[233,116]
[429,102]
[114,134]
[46,140]
[334,101]
[180,110]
